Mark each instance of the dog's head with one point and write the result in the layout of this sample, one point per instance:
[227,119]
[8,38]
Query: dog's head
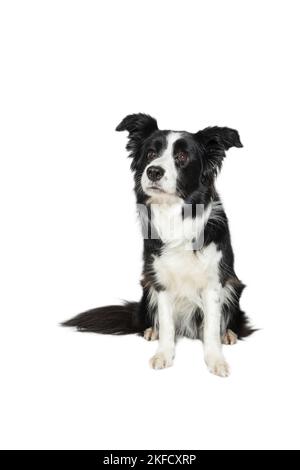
[170,164]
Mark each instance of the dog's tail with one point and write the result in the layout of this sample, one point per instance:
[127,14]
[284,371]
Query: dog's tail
[110,320]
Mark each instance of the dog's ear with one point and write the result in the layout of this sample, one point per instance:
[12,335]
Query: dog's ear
[140,126]
[220,136]
[215,141]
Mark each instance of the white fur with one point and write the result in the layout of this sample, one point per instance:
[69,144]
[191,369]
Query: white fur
[211,339]
[191,281]
[166,348]
[173,229]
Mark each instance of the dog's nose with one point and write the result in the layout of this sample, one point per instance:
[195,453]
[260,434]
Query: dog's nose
[155,173]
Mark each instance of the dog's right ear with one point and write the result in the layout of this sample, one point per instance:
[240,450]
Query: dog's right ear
[140,126]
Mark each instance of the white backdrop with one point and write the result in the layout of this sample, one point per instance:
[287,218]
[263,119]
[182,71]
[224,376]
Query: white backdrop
[70,71]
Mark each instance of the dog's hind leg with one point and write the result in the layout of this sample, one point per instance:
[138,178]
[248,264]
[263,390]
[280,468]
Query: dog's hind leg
[151,334]
[229,337]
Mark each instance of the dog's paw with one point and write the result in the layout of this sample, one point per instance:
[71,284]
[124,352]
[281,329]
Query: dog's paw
[229,337]
[217,366]
[161,360]
[150,334]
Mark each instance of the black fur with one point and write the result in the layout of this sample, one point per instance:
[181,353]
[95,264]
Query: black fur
[111,320]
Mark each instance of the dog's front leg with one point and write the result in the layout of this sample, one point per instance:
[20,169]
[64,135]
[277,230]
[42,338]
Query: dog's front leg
[212,332]
[166,345]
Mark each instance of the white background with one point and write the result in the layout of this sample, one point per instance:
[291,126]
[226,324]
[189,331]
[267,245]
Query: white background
[70,71]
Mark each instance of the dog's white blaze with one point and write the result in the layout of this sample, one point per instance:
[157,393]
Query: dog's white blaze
[166,161]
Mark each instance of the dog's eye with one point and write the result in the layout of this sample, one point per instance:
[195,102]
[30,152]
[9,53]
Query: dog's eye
[151,155]
[181,158]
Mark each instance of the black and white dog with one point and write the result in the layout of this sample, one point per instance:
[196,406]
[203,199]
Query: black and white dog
[189,284]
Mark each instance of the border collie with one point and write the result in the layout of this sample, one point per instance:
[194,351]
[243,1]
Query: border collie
[189,284]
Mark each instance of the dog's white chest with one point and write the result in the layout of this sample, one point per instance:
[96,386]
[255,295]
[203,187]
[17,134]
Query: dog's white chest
[185,273]
[181,270]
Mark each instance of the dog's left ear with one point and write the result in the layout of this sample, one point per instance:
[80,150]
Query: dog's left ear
[215,141]
[219,136]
